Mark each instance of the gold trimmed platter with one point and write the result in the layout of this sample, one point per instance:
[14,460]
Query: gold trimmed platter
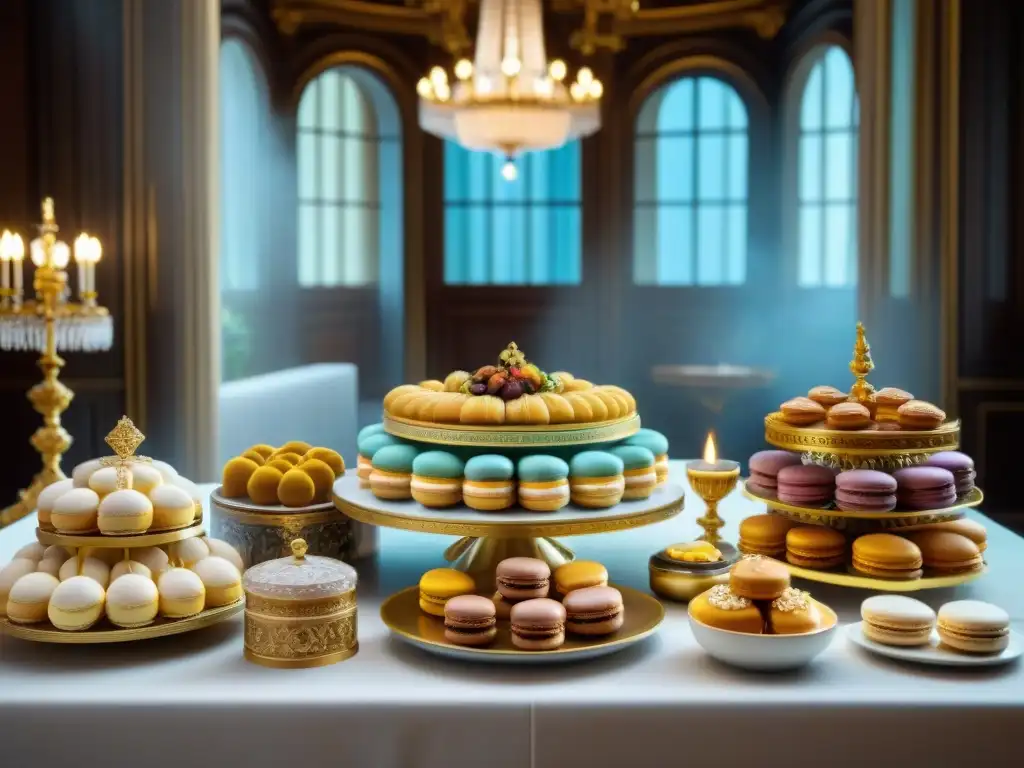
[846,579]
[105,632]
[833,517]
[513,435]
[402,616]
[120,542]
[360,504]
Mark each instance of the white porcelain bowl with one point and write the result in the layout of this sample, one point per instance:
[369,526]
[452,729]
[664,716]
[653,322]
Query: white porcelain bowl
[766,652]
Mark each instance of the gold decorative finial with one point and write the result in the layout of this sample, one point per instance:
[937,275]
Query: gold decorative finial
[125,439]
[299,548]
[48,217]
[511,356]
[860,367]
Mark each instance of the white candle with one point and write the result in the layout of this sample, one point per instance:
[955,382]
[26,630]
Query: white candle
[17,266]
[5,260]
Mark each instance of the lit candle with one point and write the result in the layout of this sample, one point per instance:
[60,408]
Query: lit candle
[712,479]
[95,256]
[17,254]
[5,261]
[83,246]
[711,462]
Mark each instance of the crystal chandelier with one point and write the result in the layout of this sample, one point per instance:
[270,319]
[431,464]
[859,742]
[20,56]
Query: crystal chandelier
[509,99]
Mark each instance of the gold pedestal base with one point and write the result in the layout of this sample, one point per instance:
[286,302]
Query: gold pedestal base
[26,502]
[479,557]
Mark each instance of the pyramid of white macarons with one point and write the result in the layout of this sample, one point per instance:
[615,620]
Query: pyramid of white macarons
[155,498]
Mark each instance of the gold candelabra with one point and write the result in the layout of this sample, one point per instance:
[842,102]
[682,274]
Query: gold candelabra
[47,324]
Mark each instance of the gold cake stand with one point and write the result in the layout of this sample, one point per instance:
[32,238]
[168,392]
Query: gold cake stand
[402,616]
[856,581]
[490,537]
[512,436]
[134,541]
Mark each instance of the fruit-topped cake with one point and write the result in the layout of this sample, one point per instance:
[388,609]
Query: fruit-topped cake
[514,391]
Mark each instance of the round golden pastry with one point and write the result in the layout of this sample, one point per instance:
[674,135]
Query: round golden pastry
[48,497]
[449,410]
[611,403]
[257,458]
[972,529]
[172,508]
[581,409]
[280,465]
[75,511]
[132,601]
[105,480]
[190,551]
[528,409]
[793,612]
[886,556]
[322,477]
[264,450]
[90,567]
[625,395]
[29,597]
[722,609]
[483,409]
[145,478]
[802,411]
[76,604]
[153,558]
[758,578]
[236,475]
[918,414]
[397,392]
[764,535]
[596,404]
[625,404]
[826,396]
[946,552]
[262,486]
[221,579]
[125,512]
[404,404]
[559,410]
[296,489]
[182,593]
[223,549]
[294,459]
[848,416]
[124,567]
[888,401]
[298,447]
[576,385]
[433,385]
[453,381]
[13,571]
[331,458]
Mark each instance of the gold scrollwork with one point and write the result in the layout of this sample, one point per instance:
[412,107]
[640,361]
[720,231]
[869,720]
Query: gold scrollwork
[300,639]
[505,436]
[263,606]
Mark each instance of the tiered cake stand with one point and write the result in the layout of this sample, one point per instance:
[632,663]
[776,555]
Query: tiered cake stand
[490,537]
[104,631]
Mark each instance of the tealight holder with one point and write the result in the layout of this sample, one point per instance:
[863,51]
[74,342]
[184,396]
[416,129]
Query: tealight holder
[712,482]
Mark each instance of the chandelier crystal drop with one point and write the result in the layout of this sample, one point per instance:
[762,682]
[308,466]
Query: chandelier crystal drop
[510,99]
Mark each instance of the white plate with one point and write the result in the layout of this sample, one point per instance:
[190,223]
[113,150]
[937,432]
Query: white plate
[933,654]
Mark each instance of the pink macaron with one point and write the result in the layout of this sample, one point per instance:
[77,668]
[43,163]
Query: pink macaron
[522,578]
[765,466]
[924,487]
[538,625]
[865,490]
[806,484]
[960,464]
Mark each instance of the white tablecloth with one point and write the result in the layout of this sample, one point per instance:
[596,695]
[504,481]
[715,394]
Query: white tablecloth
[193,700]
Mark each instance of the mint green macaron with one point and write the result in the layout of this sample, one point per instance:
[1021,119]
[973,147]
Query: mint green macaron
[489,467]
[395,458]
[634,456]
[372,429]
[595,464]
[541,468]
[655,442]
[439,464]
[370,444]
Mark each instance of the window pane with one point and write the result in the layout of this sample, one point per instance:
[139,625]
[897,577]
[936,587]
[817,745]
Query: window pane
[811,169]
[645,245]
[308,105]
[737,111]
[712,167]
[676,112]
[330,101]
[839,95]
[331,166]
[811,104]
[675,245]
[674,157]
[712,105]
[737,168]
[838,228]
[737,249]
[307,166]
[810,245]
[839,166]
[309,245]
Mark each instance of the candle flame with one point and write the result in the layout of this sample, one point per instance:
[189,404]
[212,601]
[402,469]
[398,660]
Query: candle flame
[710,452]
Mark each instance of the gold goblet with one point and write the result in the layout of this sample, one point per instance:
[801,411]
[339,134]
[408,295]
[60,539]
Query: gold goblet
[713,479]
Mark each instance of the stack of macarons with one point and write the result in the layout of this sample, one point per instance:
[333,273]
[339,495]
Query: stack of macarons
[765,467]
[959,464]
[370,440]
[963,626]
[657,444]
[758,600]
[543,483]
[925,487]
[806,485]
[889,408]
[865,490]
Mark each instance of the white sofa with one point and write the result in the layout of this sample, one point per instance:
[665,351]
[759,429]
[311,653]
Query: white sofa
[316,403]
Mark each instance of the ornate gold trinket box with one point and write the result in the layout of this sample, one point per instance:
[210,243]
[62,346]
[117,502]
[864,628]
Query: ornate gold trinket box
[300,611]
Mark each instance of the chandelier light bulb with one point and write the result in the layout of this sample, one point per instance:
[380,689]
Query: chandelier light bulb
[509,171]
[464,69]
[483,84]
[543,86]
[585,77]
[61,254]
[37,252]
[577,91]
[596,89]
[438,76]
[557,70]
[424,88]
[510,67]
[442,91]
[634,6]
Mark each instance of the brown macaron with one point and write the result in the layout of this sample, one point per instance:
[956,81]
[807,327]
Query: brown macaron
[972,529]
[758,578]
[802,411]
[815,546]
[888,401]
[918,414]
[538,625]
[523,578]
[945,552]
[848,416]
[886,556]
[764,535]
[827,396]
[469,620]
[594,611]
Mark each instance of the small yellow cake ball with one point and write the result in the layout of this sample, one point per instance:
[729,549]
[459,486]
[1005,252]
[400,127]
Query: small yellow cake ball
[104,481]
[124,567]
[153,558]
[264,450]
[290,456]
[125,512]
[81,474]
[433,385]
[90,567]
[280,465]
[9,574]
[221,579]
[108,555]
[49,565]
[235,478]
[191,551]
[172,508]
[331,458]
[75,511]
[294,446]
[220,548]
[76,604]
[145,478]
[296,489]
[132,601]
[182,593]
[28,598]
[259,458]
[262,487]
[33,552]
[167,472]
[322,477]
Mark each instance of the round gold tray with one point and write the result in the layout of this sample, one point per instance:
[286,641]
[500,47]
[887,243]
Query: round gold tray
[402,616]
[845,579]
[105,632]
[512,436]
[833,517]
[120,542]
[861,448]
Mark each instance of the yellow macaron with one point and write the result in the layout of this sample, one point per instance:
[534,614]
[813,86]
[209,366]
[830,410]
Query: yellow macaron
[439,585]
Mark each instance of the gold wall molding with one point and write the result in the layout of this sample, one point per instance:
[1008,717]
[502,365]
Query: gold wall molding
[765,17]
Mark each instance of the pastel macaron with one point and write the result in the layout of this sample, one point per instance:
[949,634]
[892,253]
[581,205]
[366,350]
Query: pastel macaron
[543,483]
[865,490]
[391,477]
[765,466]
[896,620]
[925,487]
[368,444]
[973,626]
[656,443]
[596,480]
[579,574]
[960,464]
[594,611]
[440,585]
[437,479]
[638,471]
[522,578]
[806,485]
[488,485]
[470,620]
[538,625]
[815,546]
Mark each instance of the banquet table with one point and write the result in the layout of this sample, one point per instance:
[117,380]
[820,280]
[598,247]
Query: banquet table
[193,699]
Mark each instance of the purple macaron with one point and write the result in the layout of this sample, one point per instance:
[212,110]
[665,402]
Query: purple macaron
[808,484]
[925,487]
[865,490]
[765,466]
[960,464]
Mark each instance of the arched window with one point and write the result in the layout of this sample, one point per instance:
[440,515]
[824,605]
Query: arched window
[690,200]
[522,232]
[340,148]
[242,112]
[826,175]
